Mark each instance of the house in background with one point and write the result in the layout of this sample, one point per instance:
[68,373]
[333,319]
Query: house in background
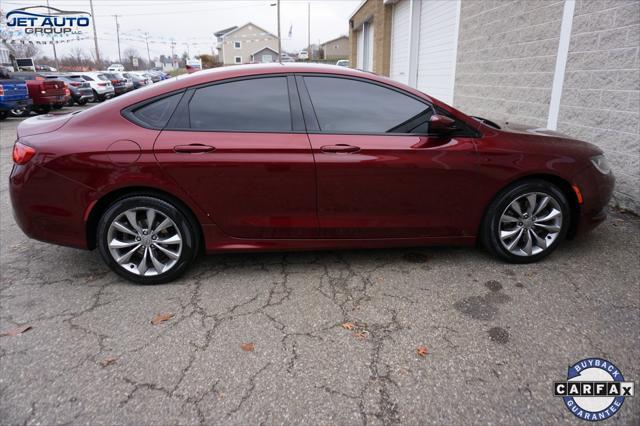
[570,66]
[238,45]
[338,48]
[266,54]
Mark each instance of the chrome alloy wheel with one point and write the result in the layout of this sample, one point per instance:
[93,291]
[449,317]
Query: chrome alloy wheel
[530,224]
[144,241]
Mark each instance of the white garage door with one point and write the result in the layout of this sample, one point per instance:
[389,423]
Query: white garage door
[400,33]
[437,48]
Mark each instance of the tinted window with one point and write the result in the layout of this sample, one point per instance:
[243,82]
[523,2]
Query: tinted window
[352,106]
[156,114]
[260,104]
[86,77]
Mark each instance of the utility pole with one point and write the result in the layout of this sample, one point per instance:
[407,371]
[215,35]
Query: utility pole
[146,38]
[173,44]
[279,39]
[95,34]
[53,43]
[118,36]
[188,50]
[309,30]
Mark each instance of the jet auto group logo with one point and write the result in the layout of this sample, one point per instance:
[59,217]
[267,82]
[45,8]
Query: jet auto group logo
[594,390]
[45,20]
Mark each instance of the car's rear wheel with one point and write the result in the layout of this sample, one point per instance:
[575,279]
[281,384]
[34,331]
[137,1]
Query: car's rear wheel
[526,222]
[82,101]
[42,109]
[21,112]
[146,240]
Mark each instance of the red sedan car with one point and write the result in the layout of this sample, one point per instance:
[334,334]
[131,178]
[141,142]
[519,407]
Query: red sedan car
[289,157]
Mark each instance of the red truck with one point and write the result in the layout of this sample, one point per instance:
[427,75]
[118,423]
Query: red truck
[45,93]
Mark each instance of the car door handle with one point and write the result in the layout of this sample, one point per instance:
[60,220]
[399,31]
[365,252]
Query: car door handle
[193,148]
[340,148]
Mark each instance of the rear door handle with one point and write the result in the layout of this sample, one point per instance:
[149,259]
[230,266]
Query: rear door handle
[193,148]
[340,148]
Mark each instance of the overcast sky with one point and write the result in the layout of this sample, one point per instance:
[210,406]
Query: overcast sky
[193,22]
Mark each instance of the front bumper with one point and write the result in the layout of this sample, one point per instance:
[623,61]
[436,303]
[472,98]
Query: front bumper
[596,190]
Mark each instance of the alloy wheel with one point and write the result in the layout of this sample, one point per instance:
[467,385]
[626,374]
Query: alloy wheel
[530,224]
[144,241]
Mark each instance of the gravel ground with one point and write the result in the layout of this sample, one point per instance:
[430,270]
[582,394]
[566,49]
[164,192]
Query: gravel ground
[497,335]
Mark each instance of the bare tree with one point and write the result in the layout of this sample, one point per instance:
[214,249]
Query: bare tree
[130,53]
[25,50]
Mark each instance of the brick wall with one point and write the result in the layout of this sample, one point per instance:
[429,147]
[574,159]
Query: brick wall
[380,16]
[506,58]
[601,94]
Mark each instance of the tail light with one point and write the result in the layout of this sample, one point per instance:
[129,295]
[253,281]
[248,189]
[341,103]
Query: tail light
[102,84]
[67,92]
[75,84]
[1,90]
[115,81]
[22,153]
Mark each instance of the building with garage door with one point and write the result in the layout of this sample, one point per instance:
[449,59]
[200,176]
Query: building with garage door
[567,65]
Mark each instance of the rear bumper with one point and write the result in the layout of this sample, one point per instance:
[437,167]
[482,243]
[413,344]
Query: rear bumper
[51,100]
[14,104]
[596,190]
[45,215]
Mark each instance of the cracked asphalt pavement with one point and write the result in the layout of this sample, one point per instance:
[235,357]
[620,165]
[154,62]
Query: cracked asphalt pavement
[497,335]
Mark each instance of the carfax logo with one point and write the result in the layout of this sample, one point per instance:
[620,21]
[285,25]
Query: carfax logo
[48,20]
[595,389]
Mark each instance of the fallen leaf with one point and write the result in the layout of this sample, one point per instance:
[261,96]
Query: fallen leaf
[108,361]
[161,318]
[361,335]
[17,331]
[348,326]
[422,351]
[248,347]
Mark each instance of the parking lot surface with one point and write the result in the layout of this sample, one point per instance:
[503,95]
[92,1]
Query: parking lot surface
[313,338]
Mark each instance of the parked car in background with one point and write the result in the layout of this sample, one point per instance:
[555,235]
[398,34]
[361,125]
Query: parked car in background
[101,85]
[81,91]
[45,94]
[138,80]
[155,77]
[118,81]
[14,95]
[303,55]
[116,67]
[366,162]
[343,63]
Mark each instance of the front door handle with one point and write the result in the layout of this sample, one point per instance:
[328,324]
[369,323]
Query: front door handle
[340,148]
[193,148]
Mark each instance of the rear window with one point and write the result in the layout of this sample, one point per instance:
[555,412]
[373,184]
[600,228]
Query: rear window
[86,77]
[157,113]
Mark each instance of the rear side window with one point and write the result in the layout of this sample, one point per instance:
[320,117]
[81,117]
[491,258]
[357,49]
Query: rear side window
[255,105]
[353,106]
[86,77]
[157,113]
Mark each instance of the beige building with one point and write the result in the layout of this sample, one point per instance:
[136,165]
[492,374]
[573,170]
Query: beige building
[567,65]
[246,44]
[338,48]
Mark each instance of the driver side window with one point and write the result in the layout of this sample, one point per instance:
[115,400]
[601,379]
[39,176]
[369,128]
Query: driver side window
[345,105]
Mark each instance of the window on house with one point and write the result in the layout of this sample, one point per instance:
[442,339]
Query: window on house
[237,59]
[353,106]
[237,44]
[255,105]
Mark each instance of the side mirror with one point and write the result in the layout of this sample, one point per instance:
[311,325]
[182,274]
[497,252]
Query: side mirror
[441,124]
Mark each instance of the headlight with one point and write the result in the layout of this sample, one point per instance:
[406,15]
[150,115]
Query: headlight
[601,163]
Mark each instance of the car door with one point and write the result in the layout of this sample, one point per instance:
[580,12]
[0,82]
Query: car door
[381,174]
[240,149]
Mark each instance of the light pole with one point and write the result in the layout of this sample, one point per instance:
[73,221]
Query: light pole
[53,43]
[118,37]
[279,39]
[146,38]
[95,35]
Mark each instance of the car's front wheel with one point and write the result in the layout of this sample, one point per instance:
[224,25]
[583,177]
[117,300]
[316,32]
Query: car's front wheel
[146,239]
[526,222]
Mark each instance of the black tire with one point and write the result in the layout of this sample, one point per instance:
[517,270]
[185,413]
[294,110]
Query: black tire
[186,228]
[82,102]
[58,106]
[4,114]
[24,112]
[70,102]
[96,97]
[490,231]
[42,109]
